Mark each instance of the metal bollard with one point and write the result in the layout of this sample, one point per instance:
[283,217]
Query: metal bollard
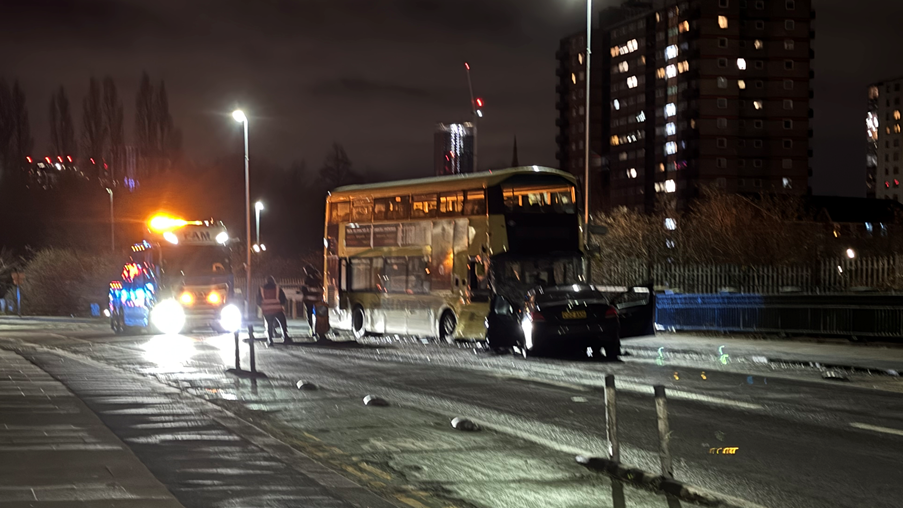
[251,343]
[237,353]
[611,419]
[664,433]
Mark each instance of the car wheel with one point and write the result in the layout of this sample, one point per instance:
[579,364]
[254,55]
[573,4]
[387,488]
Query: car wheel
[447,326]
[357,322]
[116,323]
[613,352]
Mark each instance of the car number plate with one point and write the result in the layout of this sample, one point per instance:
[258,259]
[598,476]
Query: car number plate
[574,314]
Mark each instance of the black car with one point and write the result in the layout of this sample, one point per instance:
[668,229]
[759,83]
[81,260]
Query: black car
[577,318]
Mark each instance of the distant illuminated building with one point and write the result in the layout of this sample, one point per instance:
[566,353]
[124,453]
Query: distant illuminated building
[130,168]
[882,163]
[453,148]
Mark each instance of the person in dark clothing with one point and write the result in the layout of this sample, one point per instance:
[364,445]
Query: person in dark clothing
[312,293]
[271,300]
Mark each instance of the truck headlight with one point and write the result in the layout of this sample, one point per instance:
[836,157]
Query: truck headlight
[168,316]
[230,318]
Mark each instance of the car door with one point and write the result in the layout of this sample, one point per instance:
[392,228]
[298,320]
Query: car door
[636,311]
[503,328]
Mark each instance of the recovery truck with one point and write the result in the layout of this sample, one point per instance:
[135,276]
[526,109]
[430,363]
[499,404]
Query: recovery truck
[178,279]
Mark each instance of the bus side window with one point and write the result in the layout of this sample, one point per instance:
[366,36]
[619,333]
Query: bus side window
[478,281]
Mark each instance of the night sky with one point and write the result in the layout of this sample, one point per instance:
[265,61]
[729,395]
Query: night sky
[376,75]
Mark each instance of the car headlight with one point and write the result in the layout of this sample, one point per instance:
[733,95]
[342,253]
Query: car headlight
[168,316]
[230,318]
[527,326]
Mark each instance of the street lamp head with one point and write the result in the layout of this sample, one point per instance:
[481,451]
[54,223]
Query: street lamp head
[851,253]
[239,116]
[258,206]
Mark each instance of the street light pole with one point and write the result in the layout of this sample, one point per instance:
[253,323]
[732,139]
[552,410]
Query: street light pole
[258,207]
[239,116]
[587,58]
[112,222]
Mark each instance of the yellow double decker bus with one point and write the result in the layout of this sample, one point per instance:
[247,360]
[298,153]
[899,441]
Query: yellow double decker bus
[421,257]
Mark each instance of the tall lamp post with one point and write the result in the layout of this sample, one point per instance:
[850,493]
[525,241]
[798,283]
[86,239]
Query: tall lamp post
[258,207]
[112,222]
[240,117]
[587,58]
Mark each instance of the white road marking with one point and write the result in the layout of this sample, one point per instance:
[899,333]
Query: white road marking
[559,384]
[886,430]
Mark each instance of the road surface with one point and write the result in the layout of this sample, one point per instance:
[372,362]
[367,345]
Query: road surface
[801,441]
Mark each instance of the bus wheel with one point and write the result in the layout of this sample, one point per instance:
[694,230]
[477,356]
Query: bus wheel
[357,322]
[447,325]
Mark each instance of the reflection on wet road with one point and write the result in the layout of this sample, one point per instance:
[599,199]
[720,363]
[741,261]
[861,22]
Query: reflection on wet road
[795,442]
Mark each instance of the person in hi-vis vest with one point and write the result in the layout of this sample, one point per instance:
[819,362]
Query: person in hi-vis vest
[271,300]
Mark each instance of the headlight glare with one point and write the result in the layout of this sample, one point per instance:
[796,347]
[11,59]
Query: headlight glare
[230,318]
[168,317]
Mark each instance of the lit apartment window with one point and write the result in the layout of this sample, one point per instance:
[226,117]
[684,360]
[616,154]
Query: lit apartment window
[741,64]
[616,104]
[788,104]
[640,118]
[741,84]
[722,123]
[722,103]
[760,25]
[631,173]
[670,110]
[670,129]
[573,78]
[788,65]
[790,5]
[788,84]
[788,44]
[670,148]
[722,62]
[758,44]
[671,71]
[683,27]
[671,52]
[623,67]
[760,4]
[614,141]
[789,24]
[660,73]
[788,124]
[787,163]
[758,104]
[896,117]
[622,156]
[722,42]
[632,82]
[722,21]
[722,82]
[788,183]
[788,143]
[722,142]
[683,67]
[580,58]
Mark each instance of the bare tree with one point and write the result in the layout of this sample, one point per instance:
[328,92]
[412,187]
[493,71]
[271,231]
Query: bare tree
[145,130]
[62,130]
[21,141]
[336,170]
[112,117]
[94,133]
[6,128]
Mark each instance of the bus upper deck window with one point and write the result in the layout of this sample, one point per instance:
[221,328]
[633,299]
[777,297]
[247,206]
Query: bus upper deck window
[340,212]
[556,199]
[399,207]
[475,204]
[451,203]
[380,209]
[424,206]
[362,210]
